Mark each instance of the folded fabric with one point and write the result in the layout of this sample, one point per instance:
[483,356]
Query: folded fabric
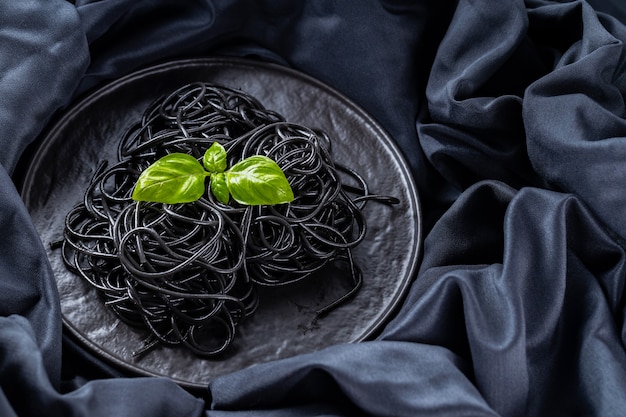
[511,117]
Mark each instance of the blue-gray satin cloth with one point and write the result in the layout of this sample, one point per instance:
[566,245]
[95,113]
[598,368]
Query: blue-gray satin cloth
[511,115]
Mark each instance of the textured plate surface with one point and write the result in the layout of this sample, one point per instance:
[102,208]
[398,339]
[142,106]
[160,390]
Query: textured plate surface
[284,324]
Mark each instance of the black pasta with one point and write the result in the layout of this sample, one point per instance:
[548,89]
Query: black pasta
[188,273]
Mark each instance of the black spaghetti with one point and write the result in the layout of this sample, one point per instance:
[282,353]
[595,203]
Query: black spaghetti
[188,273]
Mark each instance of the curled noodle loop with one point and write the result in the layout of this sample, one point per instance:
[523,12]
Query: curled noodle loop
[188,273]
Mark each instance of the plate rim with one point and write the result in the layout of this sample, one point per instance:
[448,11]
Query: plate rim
[44,142]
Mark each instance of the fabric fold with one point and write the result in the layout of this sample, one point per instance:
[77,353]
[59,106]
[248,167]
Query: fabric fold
[473,129]
[574,116]
[536,330]
[22,372]
[36,39]
[379,378]
[511,116]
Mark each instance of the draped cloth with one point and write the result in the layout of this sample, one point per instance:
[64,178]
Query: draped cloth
[511,116]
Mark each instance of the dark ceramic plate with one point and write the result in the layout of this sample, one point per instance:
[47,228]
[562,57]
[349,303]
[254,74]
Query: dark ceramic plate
[284,324]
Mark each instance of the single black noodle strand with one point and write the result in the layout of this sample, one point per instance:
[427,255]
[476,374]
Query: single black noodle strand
[188,273]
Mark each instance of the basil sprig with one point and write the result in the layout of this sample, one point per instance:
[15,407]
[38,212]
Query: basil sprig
[180,178]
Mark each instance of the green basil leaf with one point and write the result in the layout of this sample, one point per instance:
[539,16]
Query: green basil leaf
[258,180]
[214,159]
[219,188]
[175,178]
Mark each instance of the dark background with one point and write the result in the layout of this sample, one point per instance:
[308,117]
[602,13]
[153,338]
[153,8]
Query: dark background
[511,116]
